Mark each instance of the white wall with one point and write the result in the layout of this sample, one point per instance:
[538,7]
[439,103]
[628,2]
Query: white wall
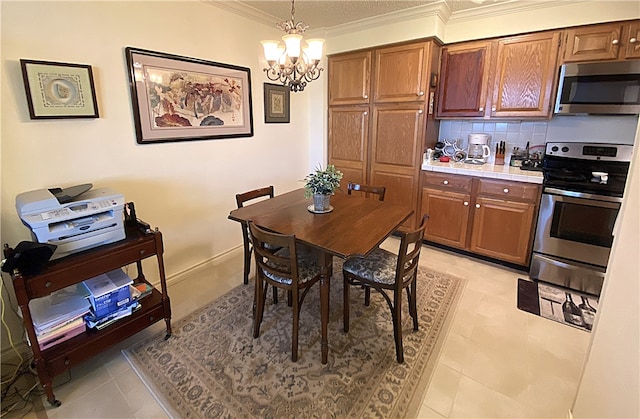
[610,383]
[185,188]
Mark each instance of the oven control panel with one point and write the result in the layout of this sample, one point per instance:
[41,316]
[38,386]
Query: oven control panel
[590,151]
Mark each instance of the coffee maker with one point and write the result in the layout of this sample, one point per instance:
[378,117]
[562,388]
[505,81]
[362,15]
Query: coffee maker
[478,150]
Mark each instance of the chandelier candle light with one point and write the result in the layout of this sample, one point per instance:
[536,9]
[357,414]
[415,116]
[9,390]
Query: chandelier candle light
[292,65]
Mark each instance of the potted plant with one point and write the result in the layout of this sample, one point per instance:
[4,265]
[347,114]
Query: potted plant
[321,184]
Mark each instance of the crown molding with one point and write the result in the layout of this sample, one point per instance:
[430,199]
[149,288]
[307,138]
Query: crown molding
[507,8]
[439,9]
[240,9]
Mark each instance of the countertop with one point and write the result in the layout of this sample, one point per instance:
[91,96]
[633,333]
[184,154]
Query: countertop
[487,170]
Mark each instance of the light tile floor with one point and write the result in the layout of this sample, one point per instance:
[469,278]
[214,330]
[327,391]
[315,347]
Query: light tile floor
[496,361]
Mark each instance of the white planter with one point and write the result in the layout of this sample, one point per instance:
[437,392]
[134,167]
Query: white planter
[321,202]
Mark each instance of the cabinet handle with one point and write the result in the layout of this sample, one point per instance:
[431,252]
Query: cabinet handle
[481,109]
[47,284]
[445,182]
[142,252]
[633,40]
[365,97]
[420,112]
[615,42]
[66,361]
[466,204]
[505,190]
[493,109]
[477,205]
[366,113]
[421,93]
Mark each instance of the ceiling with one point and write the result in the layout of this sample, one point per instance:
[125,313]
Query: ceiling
[330,13]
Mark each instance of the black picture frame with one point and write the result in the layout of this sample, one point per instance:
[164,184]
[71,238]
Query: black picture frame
[177,98]
[276,104]
[59,90]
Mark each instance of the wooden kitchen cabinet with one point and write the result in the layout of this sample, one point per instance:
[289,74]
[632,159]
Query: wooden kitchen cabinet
[511,77]
[397,135]
[488,217]
[402,72]
[349,78]
[608,41]
[464,77]
[380,140]
[348,144]
[525,75]
[446,198]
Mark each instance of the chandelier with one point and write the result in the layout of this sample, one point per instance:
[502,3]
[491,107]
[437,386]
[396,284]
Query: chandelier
[291,64]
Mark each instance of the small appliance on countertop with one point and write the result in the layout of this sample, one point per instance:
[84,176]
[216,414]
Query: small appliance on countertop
[478,150]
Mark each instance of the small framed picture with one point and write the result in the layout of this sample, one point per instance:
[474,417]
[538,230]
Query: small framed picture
[59,90]
[276,103]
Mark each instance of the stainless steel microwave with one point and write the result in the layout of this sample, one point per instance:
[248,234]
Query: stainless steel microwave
[599,88]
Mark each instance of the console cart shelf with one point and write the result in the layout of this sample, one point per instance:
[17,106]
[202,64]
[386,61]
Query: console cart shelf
[75,268]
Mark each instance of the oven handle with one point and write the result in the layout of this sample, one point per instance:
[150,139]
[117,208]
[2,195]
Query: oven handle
[573,194]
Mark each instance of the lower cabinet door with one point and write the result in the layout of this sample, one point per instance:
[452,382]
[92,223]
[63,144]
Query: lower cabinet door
[448,216]
[502,229]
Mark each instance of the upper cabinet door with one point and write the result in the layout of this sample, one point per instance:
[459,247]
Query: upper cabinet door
[349,78]
[464,75]
[401,73]
[632,40]
[593,43]
[525,75]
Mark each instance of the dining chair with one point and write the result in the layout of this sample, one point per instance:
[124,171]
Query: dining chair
[241,199]
[376,190]
[281,263]
[388,273]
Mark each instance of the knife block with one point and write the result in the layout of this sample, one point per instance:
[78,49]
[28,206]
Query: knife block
[499,160]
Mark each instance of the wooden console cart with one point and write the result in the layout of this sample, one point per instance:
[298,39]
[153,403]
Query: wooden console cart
[75,268]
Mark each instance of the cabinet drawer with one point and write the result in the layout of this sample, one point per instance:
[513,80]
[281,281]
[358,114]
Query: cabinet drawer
[509,190]
[71,270]
[447,181]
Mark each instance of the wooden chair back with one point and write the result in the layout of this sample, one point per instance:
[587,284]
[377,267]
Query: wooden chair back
[275,256]
[241,198]
[368,189]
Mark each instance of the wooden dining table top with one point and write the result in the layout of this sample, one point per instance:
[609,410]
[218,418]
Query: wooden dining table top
[355,226]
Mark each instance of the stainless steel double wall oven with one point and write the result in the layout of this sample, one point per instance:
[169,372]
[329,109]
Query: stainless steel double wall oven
[582,193]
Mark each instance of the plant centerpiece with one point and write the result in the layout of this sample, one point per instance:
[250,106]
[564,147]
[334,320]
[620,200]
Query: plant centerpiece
[321,184]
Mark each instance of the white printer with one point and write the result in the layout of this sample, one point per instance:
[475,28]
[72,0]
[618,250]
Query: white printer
[73,219]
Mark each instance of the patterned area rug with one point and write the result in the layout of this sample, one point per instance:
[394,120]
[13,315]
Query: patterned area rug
[213,367]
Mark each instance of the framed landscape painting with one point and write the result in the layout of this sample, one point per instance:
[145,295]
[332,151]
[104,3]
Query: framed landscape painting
[59,90]
[179,98]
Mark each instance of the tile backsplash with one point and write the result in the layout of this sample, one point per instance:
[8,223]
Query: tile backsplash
[604,129]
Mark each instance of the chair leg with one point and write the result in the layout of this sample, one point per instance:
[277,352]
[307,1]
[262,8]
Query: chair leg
[345,303]
[247,262]
[289,298]
[294,334]
[367,295]
[275,295]
[397,325]
[413,309]
[259,296]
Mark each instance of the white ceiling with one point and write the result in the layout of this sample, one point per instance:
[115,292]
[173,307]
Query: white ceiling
[330,13]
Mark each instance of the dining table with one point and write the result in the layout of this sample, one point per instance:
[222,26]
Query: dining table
[354,226]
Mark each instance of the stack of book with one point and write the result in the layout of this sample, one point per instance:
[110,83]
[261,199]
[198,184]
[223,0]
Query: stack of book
[110,298]
[59,316]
